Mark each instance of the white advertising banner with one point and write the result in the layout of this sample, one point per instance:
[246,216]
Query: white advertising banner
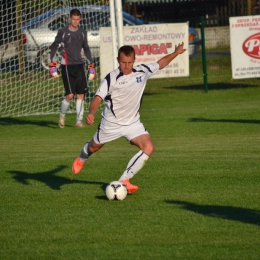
[245,46]
[151,42]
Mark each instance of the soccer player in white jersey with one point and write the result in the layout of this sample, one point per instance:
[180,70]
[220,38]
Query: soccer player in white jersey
[122,91]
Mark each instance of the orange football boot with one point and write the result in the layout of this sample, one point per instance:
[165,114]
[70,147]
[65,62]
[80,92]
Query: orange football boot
[77,166]
[130,187]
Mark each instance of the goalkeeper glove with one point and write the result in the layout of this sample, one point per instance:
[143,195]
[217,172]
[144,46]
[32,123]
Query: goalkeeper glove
[53,69]
[91,71]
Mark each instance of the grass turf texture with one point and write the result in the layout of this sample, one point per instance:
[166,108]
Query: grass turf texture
[198,194]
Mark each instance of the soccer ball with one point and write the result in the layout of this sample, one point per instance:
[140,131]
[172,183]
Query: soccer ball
[116,190]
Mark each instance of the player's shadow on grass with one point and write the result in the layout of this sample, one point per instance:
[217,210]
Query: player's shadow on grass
[244,215]
[17,121]
[241,121]
[49,178]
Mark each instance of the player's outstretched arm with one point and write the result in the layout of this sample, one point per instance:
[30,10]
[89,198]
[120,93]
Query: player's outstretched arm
[164,61]
[90,118]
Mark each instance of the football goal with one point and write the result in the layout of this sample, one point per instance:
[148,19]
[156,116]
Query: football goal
[28,28]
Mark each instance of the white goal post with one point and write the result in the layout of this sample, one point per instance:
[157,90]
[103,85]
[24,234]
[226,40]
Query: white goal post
[27,29]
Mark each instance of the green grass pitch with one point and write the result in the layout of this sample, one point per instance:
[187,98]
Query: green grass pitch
[199,193]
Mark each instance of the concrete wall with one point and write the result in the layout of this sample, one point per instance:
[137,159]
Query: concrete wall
[216,36]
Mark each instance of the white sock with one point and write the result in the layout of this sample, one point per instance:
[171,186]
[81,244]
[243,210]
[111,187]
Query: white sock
[80,110]
[134,165]
[64,107]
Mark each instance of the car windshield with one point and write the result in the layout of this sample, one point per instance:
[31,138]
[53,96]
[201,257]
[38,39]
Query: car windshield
[59,22]
[93,20]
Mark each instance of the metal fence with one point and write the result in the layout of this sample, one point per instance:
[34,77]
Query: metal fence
[216,12]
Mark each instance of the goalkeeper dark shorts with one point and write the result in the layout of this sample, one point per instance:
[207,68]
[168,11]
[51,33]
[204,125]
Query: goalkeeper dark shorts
[74,79]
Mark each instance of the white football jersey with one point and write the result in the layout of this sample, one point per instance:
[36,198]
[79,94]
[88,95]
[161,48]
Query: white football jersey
[122,94]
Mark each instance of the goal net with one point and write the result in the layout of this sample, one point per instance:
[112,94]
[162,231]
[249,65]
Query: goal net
[27,29]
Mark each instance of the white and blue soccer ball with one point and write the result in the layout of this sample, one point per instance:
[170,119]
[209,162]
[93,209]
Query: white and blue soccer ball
[116,190]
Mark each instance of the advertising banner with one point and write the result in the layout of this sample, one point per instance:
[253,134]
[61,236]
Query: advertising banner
[245,46]
[151,42]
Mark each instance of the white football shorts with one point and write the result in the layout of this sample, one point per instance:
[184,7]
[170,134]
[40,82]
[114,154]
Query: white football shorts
[108,131]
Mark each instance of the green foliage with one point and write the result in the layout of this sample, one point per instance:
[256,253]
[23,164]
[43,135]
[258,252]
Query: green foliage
[198,194]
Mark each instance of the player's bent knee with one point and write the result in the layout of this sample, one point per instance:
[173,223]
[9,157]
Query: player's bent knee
[93,147]
[148,149]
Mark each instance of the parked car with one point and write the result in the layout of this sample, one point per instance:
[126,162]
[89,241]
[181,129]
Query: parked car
[39,33]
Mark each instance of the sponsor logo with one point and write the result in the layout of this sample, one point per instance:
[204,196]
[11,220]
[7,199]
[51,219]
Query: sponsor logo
[138,79]
[122,82]
[251,46]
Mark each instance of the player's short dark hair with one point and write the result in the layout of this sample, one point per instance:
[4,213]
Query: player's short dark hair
[127,50]
[75,12]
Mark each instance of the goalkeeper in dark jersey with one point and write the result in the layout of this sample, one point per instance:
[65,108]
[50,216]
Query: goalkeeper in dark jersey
[72,40]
